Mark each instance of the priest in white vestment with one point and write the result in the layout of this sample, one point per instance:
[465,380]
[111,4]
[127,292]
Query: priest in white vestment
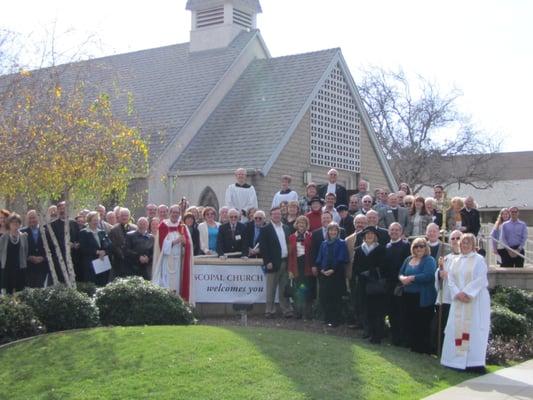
[467,331]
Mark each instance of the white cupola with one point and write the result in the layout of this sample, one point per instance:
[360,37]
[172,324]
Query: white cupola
[215,23]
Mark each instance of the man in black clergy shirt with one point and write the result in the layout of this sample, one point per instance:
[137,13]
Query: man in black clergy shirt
[231,236]
[140,249]
[273,242]
[396,251]
[470,217]
[333,187]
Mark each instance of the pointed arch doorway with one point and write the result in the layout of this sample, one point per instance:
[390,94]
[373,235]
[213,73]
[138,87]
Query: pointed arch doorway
[208,198]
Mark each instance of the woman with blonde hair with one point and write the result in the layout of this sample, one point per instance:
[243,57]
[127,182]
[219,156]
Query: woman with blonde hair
[467,331]
[453,215]
[209,232]
[496,233]
[300,265]
[417,276]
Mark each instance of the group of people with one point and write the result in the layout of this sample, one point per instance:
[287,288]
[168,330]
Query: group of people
[384,252]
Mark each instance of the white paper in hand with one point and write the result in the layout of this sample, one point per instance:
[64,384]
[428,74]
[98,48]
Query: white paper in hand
[101,265]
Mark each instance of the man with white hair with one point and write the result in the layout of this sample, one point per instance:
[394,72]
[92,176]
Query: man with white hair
[174,255]
[363,188]
[333,187]
[240,195]
[366,205]
[231,237]
[117,235]
[470,217]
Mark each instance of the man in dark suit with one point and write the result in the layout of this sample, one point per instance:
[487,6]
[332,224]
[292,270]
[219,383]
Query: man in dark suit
[273,242]
[37,269]
[58,227]
[140,249]
[231,236]
[470,217]
[333,187]
[117,235]
[253,231]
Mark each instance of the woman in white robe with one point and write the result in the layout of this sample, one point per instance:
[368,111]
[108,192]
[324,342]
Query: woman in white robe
[467,331]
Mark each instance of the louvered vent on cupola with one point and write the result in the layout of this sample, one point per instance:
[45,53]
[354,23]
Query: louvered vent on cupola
[213,16]
[242,18]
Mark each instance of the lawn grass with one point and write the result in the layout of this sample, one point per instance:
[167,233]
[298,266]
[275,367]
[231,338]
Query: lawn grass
[204,362]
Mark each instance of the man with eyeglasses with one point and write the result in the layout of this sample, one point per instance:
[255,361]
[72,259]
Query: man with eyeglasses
[231,237]
[366,205]
[253,230]
[514,235]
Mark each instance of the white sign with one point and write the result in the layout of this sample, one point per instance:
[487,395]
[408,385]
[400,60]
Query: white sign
[229,284]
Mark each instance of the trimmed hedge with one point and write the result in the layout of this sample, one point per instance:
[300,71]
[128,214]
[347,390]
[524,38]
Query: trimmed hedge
[61,308]
[135,301]
[507,323]
[88,288]
[517,300]
[17,320]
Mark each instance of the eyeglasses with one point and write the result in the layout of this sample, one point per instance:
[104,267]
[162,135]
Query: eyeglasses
[408,203]
[455,238]
[419,246]
[258,218]
[367,201]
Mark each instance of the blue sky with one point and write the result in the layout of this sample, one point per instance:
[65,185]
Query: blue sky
[484,48]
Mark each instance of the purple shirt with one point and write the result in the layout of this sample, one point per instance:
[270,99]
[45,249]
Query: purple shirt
[514,233]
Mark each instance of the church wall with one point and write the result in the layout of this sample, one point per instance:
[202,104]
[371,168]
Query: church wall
[370,167]
[294,160]
[192,187]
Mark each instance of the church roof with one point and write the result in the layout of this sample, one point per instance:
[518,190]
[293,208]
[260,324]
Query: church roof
[247,127]
[159,89]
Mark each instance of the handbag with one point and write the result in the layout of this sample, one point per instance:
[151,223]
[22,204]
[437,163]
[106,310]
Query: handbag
[376,286]
[289,289]
[398,290]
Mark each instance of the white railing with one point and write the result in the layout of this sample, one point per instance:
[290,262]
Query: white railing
[485,241]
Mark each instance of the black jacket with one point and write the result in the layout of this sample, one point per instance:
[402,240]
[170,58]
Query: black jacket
[340,192]
[88,248]
[139,245]
[470,219]
[226,243]
[270,246]
[383,237]
[36,273]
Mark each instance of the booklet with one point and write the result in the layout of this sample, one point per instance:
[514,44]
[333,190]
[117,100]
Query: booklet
[101,265]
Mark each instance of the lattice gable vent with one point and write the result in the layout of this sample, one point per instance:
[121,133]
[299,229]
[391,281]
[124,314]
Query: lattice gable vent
[242,18]
[210,17]
[335,126]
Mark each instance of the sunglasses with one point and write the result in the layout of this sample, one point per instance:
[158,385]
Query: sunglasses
[455,238]
[419,246]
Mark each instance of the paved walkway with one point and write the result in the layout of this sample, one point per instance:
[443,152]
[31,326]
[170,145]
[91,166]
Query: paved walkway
[509,383]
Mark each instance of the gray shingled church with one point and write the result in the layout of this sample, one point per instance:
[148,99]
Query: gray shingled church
[221,101]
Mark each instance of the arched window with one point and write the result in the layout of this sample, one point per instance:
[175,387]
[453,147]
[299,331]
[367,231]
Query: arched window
[208,198]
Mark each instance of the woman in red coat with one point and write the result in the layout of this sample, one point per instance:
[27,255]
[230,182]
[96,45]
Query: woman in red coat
[300,263]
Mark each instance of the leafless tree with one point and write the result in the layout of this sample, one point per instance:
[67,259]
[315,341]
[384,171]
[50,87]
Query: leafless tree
[424,136]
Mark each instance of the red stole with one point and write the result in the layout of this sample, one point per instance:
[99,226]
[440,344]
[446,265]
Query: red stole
[164,230]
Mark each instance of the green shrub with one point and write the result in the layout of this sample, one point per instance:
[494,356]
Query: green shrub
[61,308]
[88,288]
[134,301]
[506,323]
[17,320]
[517,300]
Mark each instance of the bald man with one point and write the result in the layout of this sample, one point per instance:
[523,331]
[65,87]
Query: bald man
[334,187]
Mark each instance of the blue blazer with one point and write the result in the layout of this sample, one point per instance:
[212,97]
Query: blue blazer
[424,282]
[340,251]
